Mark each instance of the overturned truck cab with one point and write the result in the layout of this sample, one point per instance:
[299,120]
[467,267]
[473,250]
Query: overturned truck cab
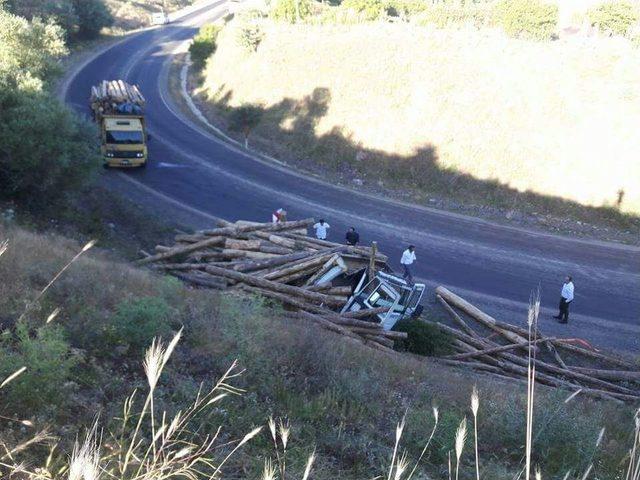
[386,290]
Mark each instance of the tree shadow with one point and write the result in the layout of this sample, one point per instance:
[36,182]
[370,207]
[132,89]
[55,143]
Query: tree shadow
[288,131]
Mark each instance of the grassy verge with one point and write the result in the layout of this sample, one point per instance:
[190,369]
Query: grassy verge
[340,399]
[445,134]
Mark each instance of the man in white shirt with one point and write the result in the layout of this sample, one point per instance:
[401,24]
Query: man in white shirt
[321,229]
[566,297]
[408,257]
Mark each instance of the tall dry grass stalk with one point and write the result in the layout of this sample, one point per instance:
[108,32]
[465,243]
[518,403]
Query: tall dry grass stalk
[633,469]
[532,323]
[475,405]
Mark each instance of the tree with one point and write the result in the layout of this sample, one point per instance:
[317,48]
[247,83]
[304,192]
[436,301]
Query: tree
[292,11]
[93,16]
[614,17]
[204,44]
[244,119]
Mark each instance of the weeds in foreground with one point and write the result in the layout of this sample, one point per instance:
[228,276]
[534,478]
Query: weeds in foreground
[153,445]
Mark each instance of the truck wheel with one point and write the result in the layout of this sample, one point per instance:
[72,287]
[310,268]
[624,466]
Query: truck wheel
[143,165]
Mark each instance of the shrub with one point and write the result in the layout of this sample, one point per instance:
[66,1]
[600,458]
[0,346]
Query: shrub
[49,363]
[368,9]
[291,11]
[135,324]
[93,16]
[424,338]
[532,19]
[444,15]
[46,150]
[204,44]
[614,17]
[249,36]
[404,8]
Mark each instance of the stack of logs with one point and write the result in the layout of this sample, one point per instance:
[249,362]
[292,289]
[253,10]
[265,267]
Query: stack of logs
[109,92]
[280,262]
[500,348]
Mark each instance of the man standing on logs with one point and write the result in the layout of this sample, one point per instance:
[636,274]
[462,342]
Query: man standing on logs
[321,229]
[352,237]
[566,297]
[408,257]
[279,216]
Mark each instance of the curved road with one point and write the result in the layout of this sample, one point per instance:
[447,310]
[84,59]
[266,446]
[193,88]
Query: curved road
[195,177]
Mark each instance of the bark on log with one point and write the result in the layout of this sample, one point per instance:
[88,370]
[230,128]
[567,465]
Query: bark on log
[270,285]
[489,351]
[384,333]
[182,250]
[615,375]
[295,267]
[457,318]
[208,281]
[235,244]
[263,227]
[365,312]
[478,314]
[322,270]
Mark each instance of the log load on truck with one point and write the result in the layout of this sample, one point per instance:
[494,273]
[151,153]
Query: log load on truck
[118,109]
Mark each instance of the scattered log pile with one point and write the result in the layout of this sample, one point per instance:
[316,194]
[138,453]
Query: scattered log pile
[280,262]
[500,348]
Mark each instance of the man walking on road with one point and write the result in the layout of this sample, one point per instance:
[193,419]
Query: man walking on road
[566,297]
[408,257]
[321,229]
[352,237]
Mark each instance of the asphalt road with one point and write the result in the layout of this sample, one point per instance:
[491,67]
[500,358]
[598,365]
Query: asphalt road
[193,177]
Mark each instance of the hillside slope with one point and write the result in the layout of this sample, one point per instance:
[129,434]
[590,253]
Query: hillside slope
[422,107]
[341,400]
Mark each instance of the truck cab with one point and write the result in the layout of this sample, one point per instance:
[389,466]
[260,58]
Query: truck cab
[123,141]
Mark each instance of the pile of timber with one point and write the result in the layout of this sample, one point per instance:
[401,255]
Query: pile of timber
[115,92]
[500,348]
[280,262]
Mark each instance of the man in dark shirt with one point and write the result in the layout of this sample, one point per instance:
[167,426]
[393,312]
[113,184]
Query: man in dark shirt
[352,237]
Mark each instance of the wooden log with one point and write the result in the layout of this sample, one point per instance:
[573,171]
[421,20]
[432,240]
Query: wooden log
[264,227]
[235,244]
[381,340]
[322,270]
[478,314]
[614,375]
[522,363]
[208,281]
[457,318]
[344,291]
[488,351]
[594,355]
[365,312]
[362,251]
[384,333]
[273,262]
[295,267]
[372,259]
[274,286]
[322,287]
[275,249]
[287,300]
[248,254]
[325,323]
[174,252]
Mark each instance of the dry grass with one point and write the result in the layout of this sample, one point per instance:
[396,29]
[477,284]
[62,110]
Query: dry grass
[557,119]
[339,399]
[132,14]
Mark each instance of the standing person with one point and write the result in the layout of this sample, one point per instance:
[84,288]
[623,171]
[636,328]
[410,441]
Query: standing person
[566,297]
[279,216]
[321,229]
[352,237]
[408,257]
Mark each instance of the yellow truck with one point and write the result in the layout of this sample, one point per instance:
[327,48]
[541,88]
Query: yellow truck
[118,108]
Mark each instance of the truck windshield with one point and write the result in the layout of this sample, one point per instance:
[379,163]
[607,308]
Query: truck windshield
[124,136]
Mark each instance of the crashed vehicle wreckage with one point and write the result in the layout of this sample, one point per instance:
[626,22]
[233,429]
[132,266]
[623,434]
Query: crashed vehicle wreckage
[347,289]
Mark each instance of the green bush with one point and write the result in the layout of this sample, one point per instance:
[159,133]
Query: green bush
[49,364]
[424,338]
[368,9]
[84,18]
[135,324]
[46,151]
[204,44]
[291,11]
[249,36]
[531,19]
[93,16]
[444,15]
[614,17]
[404,8]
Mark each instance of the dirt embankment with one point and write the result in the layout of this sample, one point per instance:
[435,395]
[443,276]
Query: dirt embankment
[469,116]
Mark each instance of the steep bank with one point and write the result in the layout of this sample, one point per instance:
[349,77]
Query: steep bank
[472,115]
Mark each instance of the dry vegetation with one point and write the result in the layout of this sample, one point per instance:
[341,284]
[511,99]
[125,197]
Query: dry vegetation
[460,112]
[342,400]
[132,14]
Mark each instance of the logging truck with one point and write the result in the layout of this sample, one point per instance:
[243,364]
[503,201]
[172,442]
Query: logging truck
[118,109]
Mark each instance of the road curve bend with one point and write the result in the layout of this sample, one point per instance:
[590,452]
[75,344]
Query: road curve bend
[494,266]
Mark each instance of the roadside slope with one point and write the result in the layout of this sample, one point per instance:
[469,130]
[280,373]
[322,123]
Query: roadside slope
[464,113]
